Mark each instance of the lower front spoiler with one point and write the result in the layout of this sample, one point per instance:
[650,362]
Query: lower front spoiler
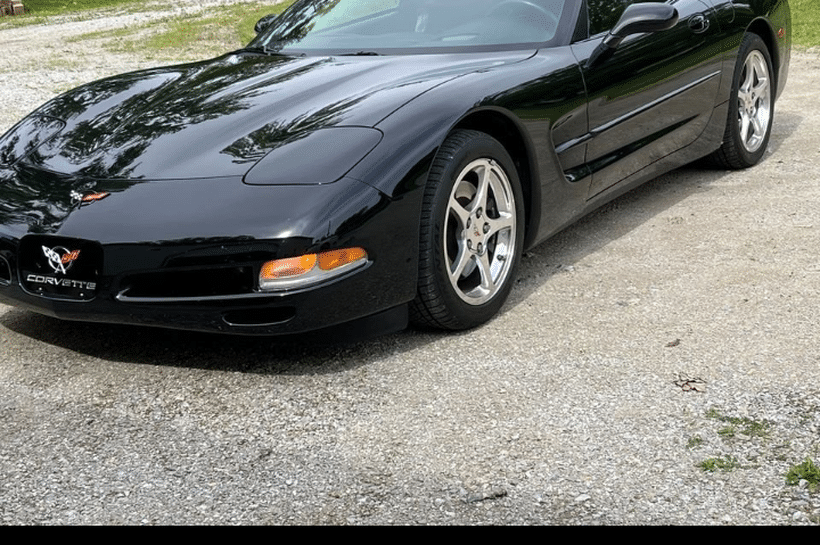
[328,313]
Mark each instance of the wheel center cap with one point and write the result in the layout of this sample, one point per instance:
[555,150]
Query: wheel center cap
[476,233]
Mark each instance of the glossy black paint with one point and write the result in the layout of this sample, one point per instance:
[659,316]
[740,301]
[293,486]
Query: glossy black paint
[216,167]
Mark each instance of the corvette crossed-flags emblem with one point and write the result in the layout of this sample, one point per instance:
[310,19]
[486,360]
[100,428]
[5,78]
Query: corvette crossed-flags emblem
[61,259]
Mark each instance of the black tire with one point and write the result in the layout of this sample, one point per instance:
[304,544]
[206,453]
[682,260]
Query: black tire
[751,107]
[470,242]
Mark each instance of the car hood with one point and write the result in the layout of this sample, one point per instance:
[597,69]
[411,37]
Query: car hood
[220,117]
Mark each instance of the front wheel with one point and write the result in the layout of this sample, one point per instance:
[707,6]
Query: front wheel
[471,234]
[751,107]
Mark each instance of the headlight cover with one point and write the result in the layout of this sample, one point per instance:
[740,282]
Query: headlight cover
[322,157]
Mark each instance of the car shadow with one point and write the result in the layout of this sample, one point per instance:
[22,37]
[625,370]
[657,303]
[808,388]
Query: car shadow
[143,345]
[164,347]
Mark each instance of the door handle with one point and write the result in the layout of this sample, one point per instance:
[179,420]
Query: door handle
[699,23]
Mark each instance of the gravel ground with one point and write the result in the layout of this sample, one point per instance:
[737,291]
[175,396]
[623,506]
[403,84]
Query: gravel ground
[673,327]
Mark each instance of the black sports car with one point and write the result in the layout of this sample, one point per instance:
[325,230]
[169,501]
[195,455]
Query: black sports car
[370,161]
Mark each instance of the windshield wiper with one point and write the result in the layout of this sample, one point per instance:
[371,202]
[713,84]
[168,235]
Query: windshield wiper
[267,50]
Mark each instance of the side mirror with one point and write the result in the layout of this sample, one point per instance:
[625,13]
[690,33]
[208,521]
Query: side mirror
[264,22]
[637,19]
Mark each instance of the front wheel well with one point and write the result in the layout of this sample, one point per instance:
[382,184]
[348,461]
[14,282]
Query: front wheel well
[505,130]
[762,29]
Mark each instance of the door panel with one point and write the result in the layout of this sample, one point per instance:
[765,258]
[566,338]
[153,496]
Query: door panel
[653,96]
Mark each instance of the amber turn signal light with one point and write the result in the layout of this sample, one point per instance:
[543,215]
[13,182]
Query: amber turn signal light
[339,258]
[296,272]
[285,268]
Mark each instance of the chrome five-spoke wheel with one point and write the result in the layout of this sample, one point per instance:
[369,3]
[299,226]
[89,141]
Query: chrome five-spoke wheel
[754,102]
[480,231]
[471,233]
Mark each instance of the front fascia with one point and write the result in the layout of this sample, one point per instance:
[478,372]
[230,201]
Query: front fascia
[225,228]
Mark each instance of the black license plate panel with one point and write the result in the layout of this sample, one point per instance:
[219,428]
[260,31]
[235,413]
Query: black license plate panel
[60,267]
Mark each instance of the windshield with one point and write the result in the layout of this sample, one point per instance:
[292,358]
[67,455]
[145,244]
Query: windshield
[397,26]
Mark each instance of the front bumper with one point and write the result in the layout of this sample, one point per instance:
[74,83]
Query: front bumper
[346,299]
[200,271]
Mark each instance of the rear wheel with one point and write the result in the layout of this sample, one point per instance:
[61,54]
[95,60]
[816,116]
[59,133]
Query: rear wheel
[751,107]
[471,233]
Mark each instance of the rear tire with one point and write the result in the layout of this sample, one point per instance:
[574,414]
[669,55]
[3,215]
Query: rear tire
[472,231]
[751,107]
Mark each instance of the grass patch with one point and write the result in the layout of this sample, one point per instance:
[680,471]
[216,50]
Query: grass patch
[806,471]
[101,34]
[194,36]
[232,28]
[694,442]
[38,11]
[60,7]
[727,463]
[806,22]
[746,426]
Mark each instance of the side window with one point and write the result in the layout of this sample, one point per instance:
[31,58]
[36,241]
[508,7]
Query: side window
[604,14]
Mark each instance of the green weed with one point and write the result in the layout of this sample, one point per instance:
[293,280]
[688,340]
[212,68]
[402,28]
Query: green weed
[746,426]
[727,463]
[694,442]
[805,471]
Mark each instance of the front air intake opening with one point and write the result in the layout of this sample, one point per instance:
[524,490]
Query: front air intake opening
[190,283]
